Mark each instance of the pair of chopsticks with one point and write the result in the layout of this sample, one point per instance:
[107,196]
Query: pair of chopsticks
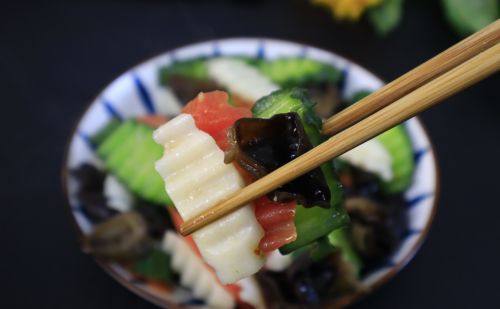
[451,71]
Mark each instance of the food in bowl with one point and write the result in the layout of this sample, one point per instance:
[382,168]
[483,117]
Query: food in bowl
[327,256]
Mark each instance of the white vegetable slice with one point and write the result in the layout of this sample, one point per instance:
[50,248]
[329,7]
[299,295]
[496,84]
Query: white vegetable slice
[240,78]
[371,156]
[251,292]
[195,274]
[196,178]
[117,196]
[278,262]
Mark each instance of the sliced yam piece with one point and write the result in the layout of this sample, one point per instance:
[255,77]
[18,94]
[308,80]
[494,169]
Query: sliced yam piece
[209,194]
[240,78]
[181,183]
[232,250]
[183,153]
[228,245]
[177,127]
[194,274]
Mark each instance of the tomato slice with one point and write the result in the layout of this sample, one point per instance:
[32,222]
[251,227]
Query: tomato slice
[277,221]
[214,115]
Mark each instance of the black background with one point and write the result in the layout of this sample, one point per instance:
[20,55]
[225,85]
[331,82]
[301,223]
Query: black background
[56,56]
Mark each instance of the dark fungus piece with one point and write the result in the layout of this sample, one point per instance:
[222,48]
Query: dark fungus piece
[375,228]
[309,283]
[263,145]
[122,238]
[156,217]
[317,281]
[361,183]
[90,193]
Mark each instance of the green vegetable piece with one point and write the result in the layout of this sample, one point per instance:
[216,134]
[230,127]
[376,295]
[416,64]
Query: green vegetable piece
[130,153]
[288,72]
[339,239]
[109,128]
[311,223]
[194,68]
[468,16]
[156,265]
[386,16]
[108,146]
[321,248]
[398,144]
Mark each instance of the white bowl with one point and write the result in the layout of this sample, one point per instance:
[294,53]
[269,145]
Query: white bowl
[138,92]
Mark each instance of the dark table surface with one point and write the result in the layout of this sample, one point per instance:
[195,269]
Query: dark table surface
[55,56]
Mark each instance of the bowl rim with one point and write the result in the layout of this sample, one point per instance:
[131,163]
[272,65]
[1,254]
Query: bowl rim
[163,303]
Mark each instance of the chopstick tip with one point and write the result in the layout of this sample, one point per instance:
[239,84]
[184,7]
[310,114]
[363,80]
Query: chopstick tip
[184,230]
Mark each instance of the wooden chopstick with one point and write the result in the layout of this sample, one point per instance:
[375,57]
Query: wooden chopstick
[453,56]
[449,83]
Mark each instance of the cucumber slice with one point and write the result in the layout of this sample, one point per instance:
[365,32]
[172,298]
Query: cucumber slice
[340,239]
[289,72]
[195,68]
[109,128]
[116,139]
[398,144]
[117,160]
[156,265]
[130,153]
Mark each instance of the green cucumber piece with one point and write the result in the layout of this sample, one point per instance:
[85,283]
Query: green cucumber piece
[321,248]
[109,128]
[130,153]
[133,157]
[121,158]
[311,223]
[109,145]
[194,68]
[397,142]
[339,239]
[288,72]
[156,265]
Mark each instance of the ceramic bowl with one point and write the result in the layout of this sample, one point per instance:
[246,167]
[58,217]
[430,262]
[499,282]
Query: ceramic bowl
[138,92]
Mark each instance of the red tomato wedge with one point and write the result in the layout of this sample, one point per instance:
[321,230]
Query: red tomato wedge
[277,221]
[214,115]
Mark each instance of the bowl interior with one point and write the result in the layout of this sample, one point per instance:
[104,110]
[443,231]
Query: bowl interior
[138,92]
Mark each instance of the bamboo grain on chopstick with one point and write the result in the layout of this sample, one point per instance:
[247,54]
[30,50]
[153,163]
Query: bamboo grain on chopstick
[453,56]
[462,76]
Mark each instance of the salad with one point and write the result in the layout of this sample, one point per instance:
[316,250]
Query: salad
[306,244]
